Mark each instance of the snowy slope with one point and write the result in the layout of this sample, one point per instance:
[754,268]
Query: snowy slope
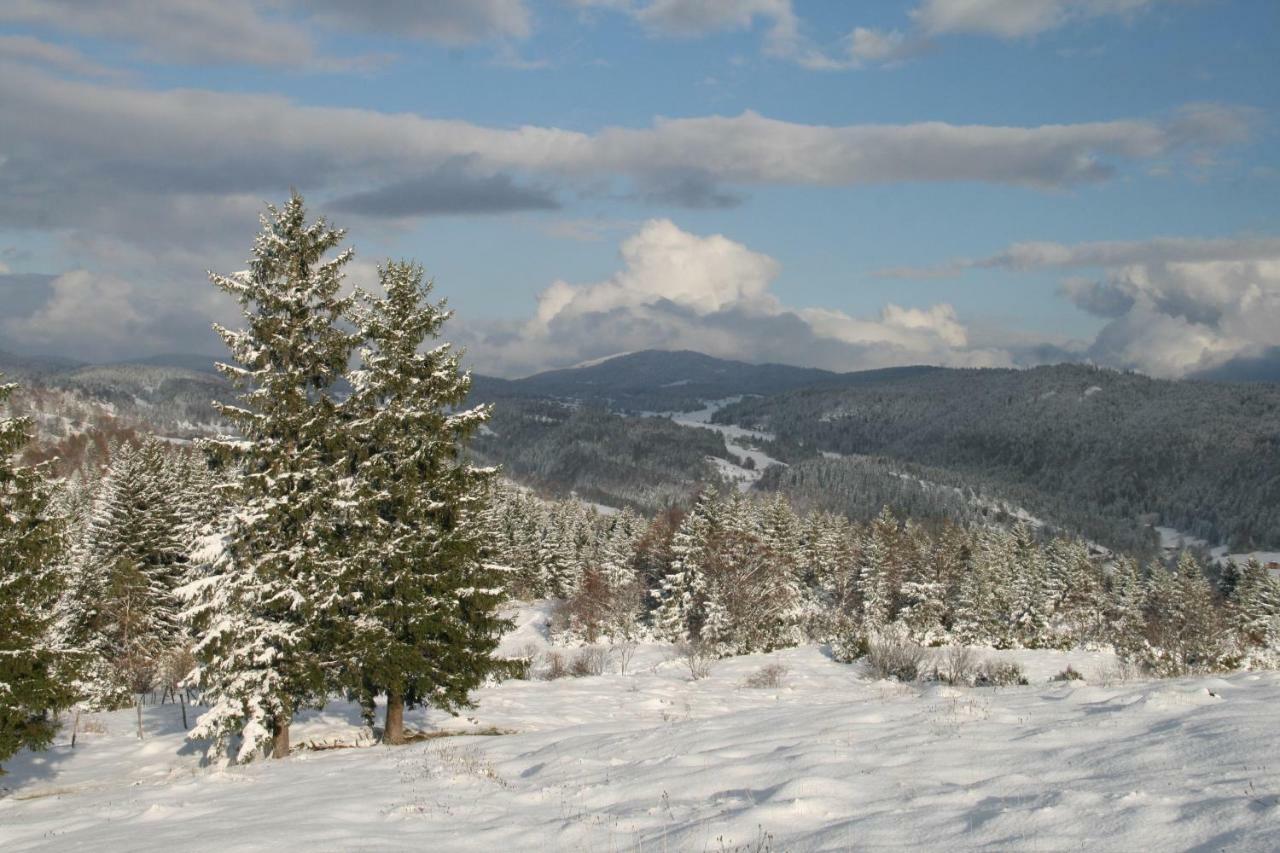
[654,761]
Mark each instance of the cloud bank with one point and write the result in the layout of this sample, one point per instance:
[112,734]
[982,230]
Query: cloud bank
[1173,306]
[678,290]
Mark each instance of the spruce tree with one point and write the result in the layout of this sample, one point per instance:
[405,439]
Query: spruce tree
[681,596]
[36,675]
[262,607]
[122,608]
[419,604]
[1256,611]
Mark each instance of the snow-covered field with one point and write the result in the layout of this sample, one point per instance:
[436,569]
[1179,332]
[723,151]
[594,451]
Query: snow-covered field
[651,760]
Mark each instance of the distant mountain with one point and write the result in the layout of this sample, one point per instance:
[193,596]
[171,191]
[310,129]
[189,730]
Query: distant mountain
[189,361]
[15,366]
[655,380]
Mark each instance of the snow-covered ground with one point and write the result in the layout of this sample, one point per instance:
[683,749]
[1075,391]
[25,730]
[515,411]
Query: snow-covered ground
[651,760]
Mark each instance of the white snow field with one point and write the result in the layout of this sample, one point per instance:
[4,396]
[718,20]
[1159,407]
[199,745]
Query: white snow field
[651,760]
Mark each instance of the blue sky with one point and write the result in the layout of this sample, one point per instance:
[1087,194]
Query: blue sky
[966,182]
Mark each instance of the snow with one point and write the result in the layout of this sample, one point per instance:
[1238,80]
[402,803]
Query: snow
[1172,539]
[739,441]
[651,760]
[595,362]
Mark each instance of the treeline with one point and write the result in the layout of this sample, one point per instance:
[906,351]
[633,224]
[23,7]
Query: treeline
[739,574]
[1102,446]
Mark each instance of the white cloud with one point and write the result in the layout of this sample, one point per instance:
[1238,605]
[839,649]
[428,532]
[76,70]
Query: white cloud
[677,290]
[447,21]
[98,311]
[269,32]
[31,49]
[175,30]
[1011,19]
[150,147]
[1172,305]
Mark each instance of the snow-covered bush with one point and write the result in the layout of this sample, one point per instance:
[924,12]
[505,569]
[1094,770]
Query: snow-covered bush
[892,653]
[766,677]
[991,673]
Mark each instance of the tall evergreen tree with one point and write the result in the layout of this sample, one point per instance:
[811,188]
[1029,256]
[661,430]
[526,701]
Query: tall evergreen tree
[419,603]
[263,605]
[35,674]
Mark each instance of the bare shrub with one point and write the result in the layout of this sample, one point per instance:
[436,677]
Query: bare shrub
[1068,674]
[766,677]
[556,667]
[892,654]
[959,665]
[1118,672]
[623,651]
[999,674]
[588,661]
[698,657]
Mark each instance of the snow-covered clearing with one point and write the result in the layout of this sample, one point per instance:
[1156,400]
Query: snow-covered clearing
[739,441]
[651,760]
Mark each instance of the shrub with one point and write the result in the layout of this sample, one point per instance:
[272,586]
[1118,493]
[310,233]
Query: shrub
[556,667]
[1068,674]
[698,657]
[959,665]
[588,661]
[767,676]
[999,674]
[891,654]
[623,651]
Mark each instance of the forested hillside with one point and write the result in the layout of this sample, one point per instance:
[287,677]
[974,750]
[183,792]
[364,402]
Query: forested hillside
[1098,448]
[642,463]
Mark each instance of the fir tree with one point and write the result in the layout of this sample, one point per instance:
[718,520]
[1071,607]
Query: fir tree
[263,605]
[36,675]
[420,605]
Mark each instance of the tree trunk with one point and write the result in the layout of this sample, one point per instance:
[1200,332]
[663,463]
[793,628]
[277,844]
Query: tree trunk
[393,731]
[280,739]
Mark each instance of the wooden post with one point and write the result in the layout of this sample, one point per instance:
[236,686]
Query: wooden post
[139,707]
[184,711]
[75,729]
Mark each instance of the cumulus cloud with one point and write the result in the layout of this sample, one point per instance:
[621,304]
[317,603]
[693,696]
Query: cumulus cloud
[1173,306]
[678,290]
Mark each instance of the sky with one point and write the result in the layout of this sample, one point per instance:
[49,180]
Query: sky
[837,184]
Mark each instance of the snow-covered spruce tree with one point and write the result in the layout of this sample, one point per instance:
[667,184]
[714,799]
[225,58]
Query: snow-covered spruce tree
[36,675]
[1181,617]
[1127,622]
[122,608]
[983,611]
[681,594]
[880,575]
[924,591]
[264,607]
[1255,612]
[1031,609]
[419,605]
